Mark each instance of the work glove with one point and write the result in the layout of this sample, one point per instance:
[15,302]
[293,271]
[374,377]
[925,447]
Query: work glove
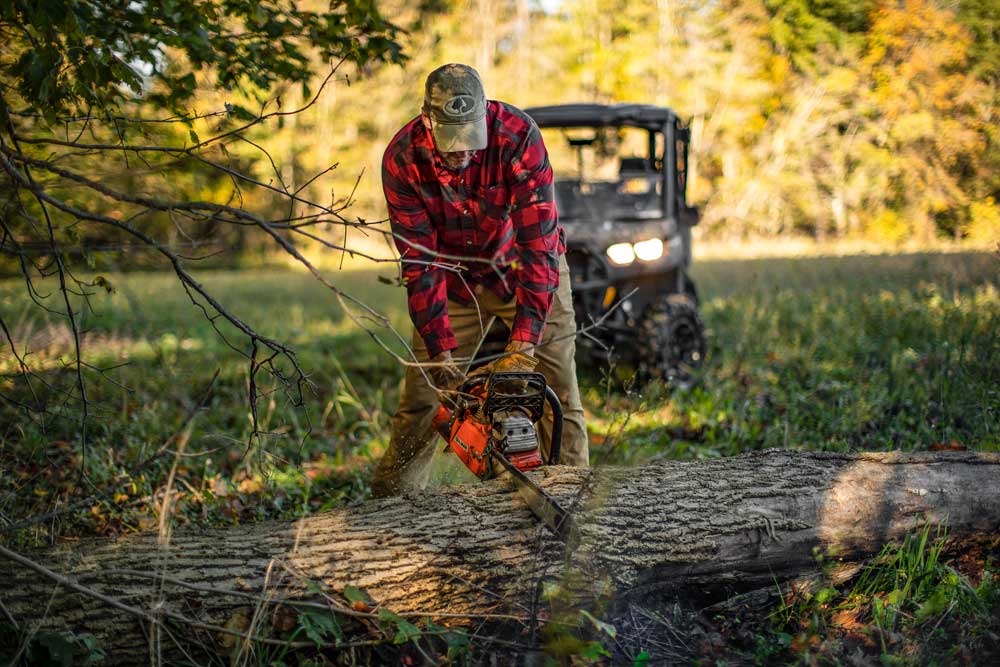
[518,358]
[446,374]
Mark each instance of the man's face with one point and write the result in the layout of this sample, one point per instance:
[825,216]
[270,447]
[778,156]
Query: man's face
[458,160]
[455,160]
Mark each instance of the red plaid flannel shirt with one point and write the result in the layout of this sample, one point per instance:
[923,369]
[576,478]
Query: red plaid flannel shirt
[500,210]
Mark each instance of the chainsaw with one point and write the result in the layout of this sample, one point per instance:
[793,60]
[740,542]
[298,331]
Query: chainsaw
[493,427]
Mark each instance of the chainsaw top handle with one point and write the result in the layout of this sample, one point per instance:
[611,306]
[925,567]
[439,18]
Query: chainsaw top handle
[526,391]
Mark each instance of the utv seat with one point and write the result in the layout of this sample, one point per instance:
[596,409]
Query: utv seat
[635,166]
[629,201]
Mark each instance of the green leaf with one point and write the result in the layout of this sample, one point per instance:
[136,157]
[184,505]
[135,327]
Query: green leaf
[320,626]
[405,631]
[934,606]
[600,625]
[194,137]
[354,594]
[825,595]
[889,660]
[594,651]
[458,644]
[95,653]
[456,640]
[101,281]
[641,660]
[59,647]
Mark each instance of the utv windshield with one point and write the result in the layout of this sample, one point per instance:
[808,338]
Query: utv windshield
[606,173]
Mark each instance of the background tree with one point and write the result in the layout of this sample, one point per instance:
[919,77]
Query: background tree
[927,124]
[101,148]
[788,128]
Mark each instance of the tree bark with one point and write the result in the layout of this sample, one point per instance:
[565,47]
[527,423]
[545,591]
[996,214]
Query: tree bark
[703,528]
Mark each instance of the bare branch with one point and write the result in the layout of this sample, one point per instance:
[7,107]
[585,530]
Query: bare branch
[70,313]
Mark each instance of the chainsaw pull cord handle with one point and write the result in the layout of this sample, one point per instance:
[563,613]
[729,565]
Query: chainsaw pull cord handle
[557,425]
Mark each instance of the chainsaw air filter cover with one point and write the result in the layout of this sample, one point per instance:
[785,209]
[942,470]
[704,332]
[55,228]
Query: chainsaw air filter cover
[518,441]
[518,432]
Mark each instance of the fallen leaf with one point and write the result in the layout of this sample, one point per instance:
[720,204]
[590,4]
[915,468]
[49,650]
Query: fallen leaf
[846,619]
[284,618]
[220,488]
[238,622]
[250,486]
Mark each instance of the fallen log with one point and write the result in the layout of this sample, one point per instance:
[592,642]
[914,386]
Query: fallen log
[704,529]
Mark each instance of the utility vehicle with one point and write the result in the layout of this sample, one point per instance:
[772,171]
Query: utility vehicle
[628,231]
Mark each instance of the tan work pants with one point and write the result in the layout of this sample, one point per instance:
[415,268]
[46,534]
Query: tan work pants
[406,463]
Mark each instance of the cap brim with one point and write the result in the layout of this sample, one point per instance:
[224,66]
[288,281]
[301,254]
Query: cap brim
[450,138]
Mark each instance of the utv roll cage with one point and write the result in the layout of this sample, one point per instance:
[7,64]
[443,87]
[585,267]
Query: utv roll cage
[655,120]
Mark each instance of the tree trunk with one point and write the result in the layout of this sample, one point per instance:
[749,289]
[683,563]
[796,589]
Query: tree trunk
[707,528]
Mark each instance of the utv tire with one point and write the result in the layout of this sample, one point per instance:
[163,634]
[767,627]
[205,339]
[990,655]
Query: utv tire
[671,341]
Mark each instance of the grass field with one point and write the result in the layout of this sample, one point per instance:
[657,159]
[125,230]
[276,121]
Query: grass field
[846,353]
[838,353]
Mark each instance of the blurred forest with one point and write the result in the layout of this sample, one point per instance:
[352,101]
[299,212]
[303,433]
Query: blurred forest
[825,119]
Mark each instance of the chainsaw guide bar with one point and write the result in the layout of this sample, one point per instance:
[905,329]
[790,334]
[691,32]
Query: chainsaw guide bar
[542,505]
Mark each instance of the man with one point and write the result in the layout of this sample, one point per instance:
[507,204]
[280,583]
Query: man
[469,190]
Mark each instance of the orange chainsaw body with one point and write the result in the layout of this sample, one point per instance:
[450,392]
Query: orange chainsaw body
[470,439]
[474,441]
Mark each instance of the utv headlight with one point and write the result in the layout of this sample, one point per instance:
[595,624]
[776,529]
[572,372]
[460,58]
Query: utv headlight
[624,254]
[621,254]
[649,249]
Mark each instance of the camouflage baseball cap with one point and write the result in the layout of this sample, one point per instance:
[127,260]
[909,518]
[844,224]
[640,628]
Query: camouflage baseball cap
[455,101]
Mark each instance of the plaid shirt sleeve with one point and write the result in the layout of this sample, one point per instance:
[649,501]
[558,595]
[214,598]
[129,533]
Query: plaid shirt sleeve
[536,241]
[417,241]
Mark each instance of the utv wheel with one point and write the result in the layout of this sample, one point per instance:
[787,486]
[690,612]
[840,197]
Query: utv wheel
[671,341]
